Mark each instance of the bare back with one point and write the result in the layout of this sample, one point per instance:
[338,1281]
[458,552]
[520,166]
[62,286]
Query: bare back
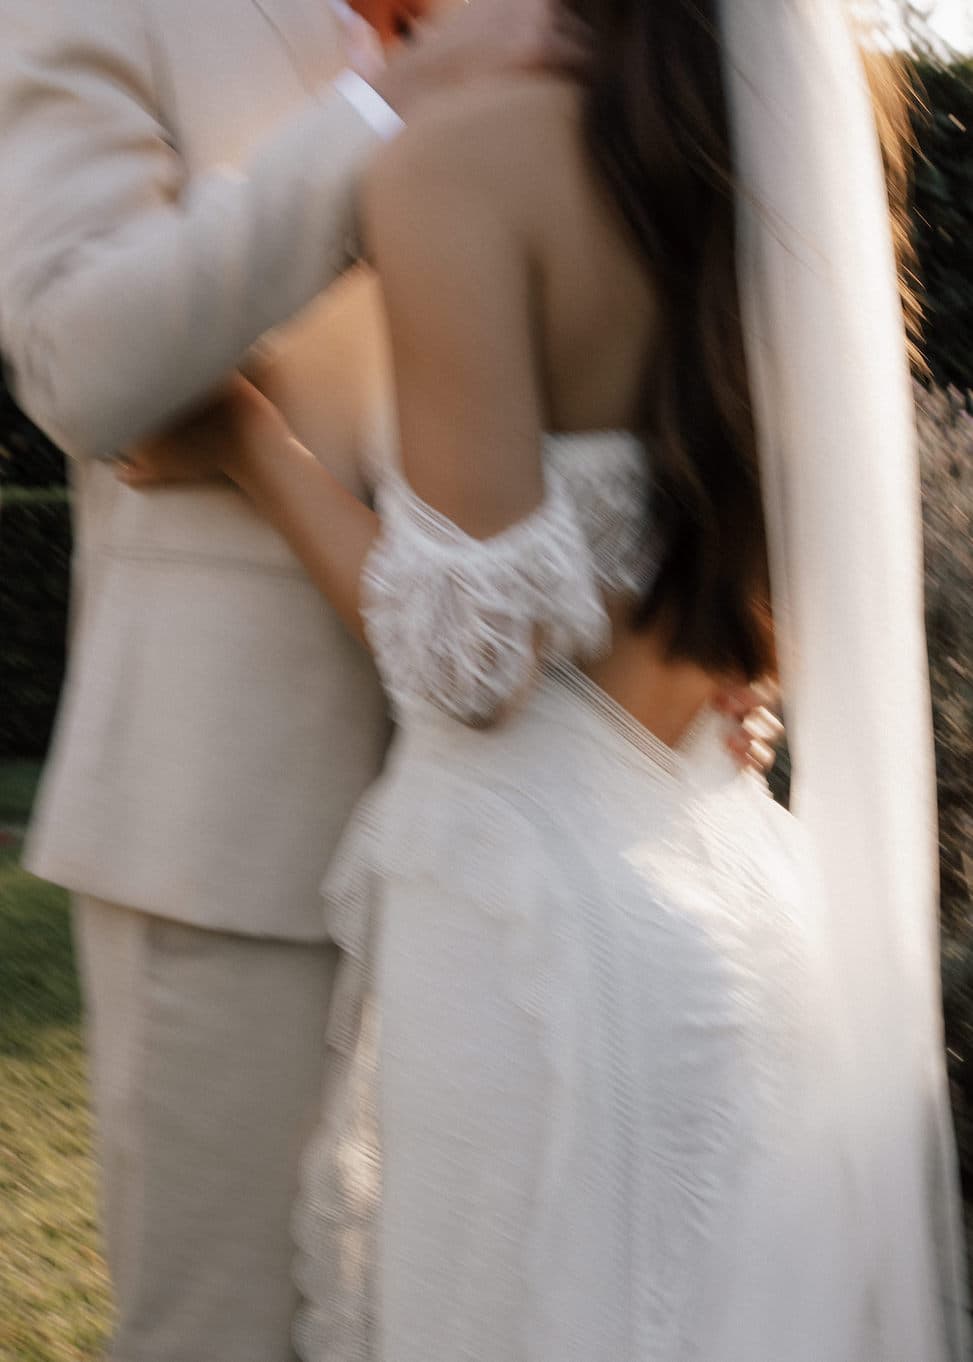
[593,317]
[595,304]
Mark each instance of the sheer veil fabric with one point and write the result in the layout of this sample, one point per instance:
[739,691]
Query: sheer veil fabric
[832,400]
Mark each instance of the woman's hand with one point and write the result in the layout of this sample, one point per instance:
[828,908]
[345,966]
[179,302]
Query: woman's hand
[216,442]
[242,436]
[758,733]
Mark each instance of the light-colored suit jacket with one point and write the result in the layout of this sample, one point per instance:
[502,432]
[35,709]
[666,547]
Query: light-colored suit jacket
[178,181]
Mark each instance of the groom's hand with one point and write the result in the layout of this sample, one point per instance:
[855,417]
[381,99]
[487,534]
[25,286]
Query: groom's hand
[487,37]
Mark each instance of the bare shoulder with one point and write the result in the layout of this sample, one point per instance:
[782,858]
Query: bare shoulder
[496,142]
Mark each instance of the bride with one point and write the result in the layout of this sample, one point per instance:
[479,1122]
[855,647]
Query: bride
[628,1064]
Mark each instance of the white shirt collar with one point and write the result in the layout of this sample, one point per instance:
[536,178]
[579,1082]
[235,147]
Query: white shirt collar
[363,50]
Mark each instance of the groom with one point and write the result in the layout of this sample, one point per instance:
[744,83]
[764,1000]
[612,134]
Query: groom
[178,181]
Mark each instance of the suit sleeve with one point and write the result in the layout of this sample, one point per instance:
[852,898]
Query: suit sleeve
[126,289]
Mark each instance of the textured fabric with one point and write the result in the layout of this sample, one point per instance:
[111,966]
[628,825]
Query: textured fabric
[206,1061]
[835,423]
[159,216]
[579,1097]
[217,724]
[480,611]
[583,1103]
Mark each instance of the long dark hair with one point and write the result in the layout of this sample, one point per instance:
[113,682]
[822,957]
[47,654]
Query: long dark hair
[656,126]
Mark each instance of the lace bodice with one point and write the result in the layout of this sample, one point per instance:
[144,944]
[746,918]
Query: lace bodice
[462,623]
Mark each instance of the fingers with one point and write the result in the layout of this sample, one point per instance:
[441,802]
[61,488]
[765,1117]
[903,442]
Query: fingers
[126,468]
[740,700]
[762,756]
[763,726]
[135,471]
[146,467]
[758,732]
[751,754]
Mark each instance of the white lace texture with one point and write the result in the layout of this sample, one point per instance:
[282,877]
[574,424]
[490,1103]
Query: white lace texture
[462,623]
[608,476]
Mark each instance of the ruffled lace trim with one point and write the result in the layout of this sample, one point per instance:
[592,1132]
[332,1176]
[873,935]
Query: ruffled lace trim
[610,481]
[461,622]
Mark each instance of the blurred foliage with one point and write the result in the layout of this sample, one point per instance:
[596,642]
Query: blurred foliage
[18,788]
[943,218]
[35,549]
[946,448]
[27,458]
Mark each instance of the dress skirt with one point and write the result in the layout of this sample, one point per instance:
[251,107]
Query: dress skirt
[580,1103]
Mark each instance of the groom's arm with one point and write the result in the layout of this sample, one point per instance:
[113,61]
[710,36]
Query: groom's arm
[126,290]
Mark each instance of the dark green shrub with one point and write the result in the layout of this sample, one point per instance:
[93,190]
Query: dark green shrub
[27,458]
[35,548]
[946,448]
[943,218]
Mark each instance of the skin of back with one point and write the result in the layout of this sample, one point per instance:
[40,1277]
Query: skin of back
[593,310]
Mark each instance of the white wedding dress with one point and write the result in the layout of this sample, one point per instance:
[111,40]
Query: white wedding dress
[581,1103]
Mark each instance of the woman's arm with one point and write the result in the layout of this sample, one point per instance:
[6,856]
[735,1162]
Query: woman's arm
[456,282]
[243,436]
[456,279]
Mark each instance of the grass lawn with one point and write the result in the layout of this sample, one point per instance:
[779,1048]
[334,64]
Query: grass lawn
[53,1297]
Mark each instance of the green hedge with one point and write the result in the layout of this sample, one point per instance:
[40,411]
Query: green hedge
[943,218]
[35,549]
[27,457]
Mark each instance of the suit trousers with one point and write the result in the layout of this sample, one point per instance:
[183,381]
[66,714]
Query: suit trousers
[206,1055]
